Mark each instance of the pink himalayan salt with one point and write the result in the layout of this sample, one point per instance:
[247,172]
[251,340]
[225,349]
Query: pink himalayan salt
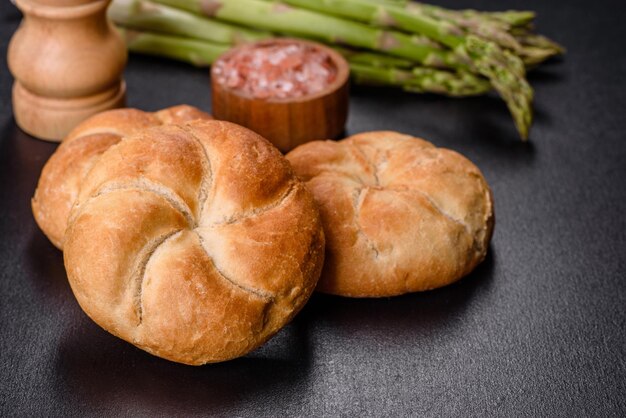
[276,70]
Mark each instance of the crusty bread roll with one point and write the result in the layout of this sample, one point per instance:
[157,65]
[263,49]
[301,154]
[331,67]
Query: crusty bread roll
[399,214]
[196,242]
[62,175]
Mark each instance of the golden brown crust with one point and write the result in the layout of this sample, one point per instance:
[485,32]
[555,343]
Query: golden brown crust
[196,242]
[400,215]
[62,175]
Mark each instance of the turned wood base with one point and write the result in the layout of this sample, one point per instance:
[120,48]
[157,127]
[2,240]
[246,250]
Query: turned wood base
[67,61]
[53,118]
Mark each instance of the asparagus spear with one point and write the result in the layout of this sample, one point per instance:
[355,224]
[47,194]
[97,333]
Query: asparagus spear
[512,18]
[421,80]
[278,17]
[528,39]
[380,69]
[142,14]
[509,29]
[471,22]
[536,48]
[202,53]
[374,59]
[195,52]
[148,16]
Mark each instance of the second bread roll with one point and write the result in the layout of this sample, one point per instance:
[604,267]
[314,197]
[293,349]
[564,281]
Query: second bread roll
[400,215]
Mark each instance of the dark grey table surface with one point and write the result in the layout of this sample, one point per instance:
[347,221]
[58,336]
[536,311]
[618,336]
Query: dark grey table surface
[539,329]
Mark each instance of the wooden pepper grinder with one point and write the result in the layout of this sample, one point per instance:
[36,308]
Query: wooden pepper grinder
[67,61]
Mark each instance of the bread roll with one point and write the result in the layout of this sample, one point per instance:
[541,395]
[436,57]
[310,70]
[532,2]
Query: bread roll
[399,214]
[63,173]
[196,243]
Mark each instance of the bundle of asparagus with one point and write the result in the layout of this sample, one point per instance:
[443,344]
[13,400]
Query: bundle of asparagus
[415,46]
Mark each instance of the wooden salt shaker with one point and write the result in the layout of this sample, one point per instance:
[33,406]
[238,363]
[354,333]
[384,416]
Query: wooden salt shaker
[67,61]
[287,122]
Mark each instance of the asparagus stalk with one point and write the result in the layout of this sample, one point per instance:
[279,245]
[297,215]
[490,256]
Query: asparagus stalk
[528,39]
[142,14]
[379,69]
[281,18]
[536,48]
[196,52]
[512,18]
[408,17]
[533,56]
[421,80]
[147,15]
[202,53]
[374,59]
[509,29]
[471,22]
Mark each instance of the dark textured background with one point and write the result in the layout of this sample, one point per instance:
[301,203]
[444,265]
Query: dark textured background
[538,329]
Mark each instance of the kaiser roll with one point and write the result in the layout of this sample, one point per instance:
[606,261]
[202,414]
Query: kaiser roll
[63,173]
[196,243]
[399,214]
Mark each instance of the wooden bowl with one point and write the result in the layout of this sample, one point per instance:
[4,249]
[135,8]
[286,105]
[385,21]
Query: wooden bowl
[287,122]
